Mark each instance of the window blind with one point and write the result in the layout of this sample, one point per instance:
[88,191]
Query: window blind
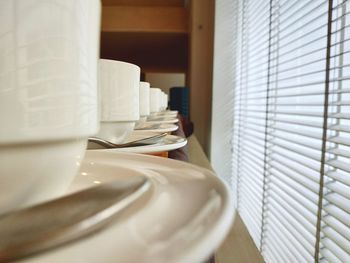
[295,128]
[248,146]
[335,224]
[291,127]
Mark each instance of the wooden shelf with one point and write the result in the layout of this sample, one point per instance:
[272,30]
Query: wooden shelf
[154,19]
[144,2]
[152,34]
[153,52]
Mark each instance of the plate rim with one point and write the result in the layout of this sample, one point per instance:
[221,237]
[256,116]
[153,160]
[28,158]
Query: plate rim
[153,148]
[201,249]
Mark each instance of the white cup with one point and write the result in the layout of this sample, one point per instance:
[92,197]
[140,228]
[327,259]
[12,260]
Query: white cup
[119,84]
[144,103]
[144,99]
[48,95]
[165,101]
[161,101]
[155,100]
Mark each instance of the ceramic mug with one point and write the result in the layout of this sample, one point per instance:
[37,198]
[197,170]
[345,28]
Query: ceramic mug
[144,103]
[48,95]
[144,99]
[119,84]
[164,101]
[154,100]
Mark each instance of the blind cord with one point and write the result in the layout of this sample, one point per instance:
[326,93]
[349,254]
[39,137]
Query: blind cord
[263,214]
[324,132]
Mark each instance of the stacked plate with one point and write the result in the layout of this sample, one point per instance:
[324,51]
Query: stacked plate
[182,217]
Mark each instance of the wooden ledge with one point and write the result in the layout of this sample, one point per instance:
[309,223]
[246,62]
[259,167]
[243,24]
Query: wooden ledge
[196,154]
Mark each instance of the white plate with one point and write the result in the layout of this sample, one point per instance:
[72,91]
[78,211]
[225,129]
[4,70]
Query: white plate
[183,218]
[165,112]
[156,127]
[168,143]
[161,120]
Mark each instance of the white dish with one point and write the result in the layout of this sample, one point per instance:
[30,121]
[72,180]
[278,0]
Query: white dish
[168,143]
[184,217]
[151,127]
[166,112]
[155,120]
[164,115]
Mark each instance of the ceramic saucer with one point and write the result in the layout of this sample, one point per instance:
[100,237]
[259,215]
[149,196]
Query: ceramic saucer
[167,143]
[168,115]
[161,120]
[166,112]
[183,218]
[156,127]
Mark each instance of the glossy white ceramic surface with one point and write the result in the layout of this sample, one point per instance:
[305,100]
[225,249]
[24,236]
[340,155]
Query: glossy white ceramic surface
[140,122]
[168,143]
[165,101]
[167,113]
[48,95]
[155,100]
[147,127]
[144,99]
[119,84]
[161,98]
[48,69]
[38,172]
[161,119]
[184,217]
[116,132]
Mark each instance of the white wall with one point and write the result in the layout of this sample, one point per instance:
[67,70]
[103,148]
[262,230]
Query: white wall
[223,89]
[165,81]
